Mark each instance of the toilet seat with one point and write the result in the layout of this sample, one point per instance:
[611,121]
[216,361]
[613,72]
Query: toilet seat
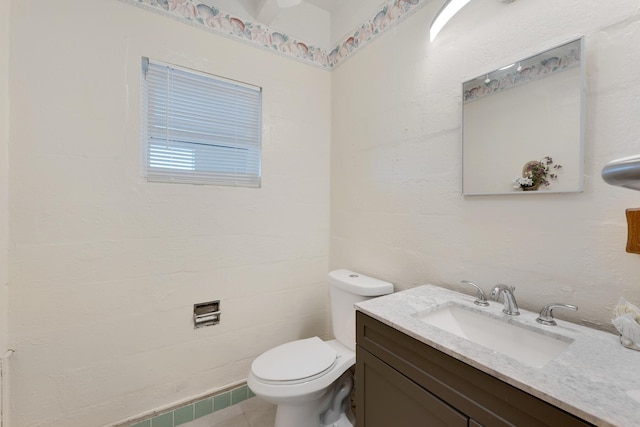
[295,362]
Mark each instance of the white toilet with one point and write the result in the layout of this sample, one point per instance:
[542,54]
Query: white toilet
[309,379]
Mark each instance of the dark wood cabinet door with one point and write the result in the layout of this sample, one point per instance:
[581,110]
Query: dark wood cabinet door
[390,399]
[418,374]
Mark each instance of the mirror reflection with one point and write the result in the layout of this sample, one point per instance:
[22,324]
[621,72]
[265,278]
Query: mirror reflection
[522,126]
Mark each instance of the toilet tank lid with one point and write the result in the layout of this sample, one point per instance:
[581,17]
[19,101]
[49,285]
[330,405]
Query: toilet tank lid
[359,284]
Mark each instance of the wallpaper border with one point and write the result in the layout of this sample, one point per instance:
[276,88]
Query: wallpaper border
[222,23]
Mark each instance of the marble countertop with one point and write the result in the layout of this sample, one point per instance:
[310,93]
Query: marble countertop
[595,378]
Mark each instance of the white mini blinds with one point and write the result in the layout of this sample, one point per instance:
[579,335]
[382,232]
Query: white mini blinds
[200,128]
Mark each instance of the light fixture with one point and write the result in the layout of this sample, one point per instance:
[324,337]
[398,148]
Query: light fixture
[519,67]
[487,80]
[288,3]
[450,8]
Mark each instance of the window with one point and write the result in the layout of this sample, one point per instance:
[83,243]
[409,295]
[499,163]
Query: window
[200,128]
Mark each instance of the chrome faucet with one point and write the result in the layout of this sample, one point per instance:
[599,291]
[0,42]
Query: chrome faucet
[546,314]
[480,298]
[510,304]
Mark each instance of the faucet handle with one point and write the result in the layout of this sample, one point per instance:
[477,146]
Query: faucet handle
[480,298]
[546,314]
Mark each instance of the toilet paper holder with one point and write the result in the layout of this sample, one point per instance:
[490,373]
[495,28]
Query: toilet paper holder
[206,314]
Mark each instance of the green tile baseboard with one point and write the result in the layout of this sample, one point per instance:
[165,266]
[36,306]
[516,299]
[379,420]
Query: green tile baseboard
[194,409]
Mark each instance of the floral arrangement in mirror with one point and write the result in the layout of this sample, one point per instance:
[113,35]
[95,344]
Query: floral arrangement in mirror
[536,174]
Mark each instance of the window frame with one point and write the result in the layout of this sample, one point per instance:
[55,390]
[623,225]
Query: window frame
[199,128]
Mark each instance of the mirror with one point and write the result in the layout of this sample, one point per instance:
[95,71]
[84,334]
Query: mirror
[522,126]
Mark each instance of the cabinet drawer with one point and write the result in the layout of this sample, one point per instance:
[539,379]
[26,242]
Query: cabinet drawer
[486,399]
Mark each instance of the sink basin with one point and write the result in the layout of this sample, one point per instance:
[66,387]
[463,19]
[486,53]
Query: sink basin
[516,341]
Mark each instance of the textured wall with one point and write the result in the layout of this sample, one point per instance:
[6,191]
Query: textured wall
[350,15]
[104,267]
[4,173]
[396,203]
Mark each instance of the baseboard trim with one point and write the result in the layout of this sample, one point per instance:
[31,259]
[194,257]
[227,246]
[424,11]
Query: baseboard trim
[191,409]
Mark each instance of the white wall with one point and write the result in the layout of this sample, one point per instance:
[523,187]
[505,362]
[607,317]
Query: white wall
[104,267]
[4,173]
[306,22]
[397,211]
[4,203]
[350,15]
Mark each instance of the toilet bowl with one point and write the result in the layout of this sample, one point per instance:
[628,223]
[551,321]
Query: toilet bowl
[300,377]
[309,379]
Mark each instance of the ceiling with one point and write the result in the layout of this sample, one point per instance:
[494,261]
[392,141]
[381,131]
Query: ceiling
[267,10]
[328,5]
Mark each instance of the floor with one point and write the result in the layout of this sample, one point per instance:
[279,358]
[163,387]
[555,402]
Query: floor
[253,412]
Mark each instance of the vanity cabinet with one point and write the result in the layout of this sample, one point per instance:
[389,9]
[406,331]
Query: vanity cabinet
[402,382]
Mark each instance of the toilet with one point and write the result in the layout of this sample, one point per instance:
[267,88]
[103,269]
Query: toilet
[309,379]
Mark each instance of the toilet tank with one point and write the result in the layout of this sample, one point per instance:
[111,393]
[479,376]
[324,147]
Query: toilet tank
[348,288]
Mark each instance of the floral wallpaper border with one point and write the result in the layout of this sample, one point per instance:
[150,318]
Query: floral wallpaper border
[220,22]
[474,91]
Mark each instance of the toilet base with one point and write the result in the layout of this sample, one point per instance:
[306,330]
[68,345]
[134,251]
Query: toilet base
[298,416]
[322,411]
[342,422]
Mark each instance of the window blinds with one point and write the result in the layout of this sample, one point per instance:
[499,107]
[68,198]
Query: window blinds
[200,128]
